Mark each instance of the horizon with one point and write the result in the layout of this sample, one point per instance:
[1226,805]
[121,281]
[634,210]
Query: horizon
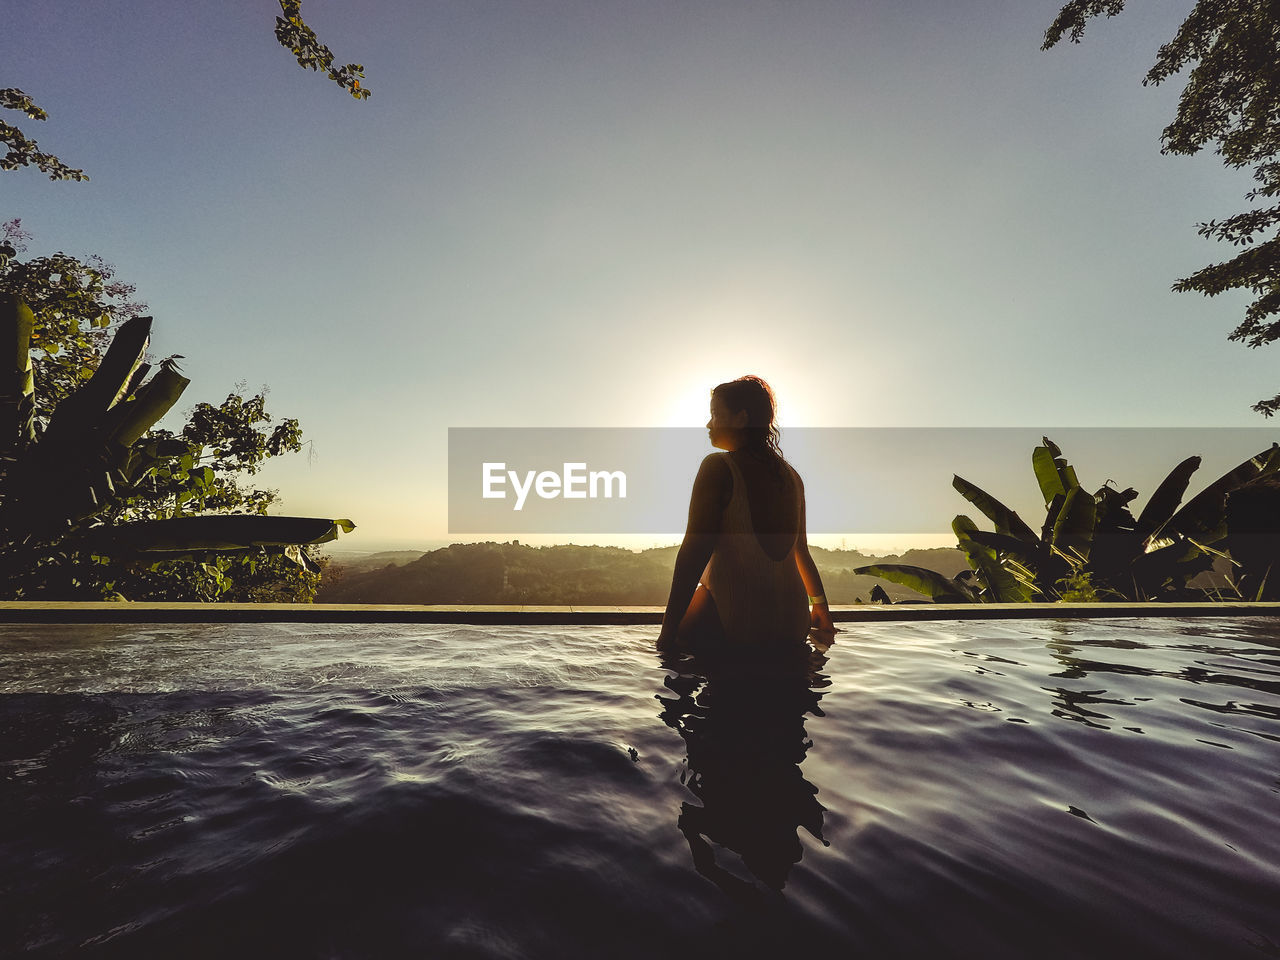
[892,546]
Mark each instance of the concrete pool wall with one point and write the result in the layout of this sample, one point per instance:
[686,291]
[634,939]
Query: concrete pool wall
[44,611]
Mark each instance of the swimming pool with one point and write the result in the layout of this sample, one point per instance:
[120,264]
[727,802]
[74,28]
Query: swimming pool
[998,789]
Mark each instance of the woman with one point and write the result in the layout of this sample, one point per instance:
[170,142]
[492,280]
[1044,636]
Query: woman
[746,538]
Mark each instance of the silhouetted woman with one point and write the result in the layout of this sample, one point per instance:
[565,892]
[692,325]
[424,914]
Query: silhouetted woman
[745,538]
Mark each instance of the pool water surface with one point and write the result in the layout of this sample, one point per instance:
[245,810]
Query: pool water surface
[1002,789]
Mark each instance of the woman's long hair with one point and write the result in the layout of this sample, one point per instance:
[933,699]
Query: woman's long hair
[760,435]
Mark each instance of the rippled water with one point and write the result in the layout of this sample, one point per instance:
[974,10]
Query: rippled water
[996,789]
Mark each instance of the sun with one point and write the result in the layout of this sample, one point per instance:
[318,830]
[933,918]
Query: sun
[759,325]
[688,400]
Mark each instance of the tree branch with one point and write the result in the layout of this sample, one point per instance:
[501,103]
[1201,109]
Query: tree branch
[300,40]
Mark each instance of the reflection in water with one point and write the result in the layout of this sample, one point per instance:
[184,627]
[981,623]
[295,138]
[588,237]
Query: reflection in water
[743,723]
[1214,666]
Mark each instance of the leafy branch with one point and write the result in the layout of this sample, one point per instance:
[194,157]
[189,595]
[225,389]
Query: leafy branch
[291,31]
[300,40]
[1232,100]
[24,152]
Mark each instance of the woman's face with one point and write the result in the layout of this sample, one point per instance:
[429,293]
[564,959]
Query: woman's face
[724,427]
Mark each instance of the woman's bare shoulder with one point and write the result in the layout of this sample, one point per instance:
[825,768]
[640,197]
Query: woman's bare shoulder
[714,469]
[796,473]
[713,485]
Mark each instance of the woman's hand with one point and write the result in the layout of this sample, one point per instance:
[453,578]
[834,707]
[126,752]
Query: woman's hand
[820,618]
[668,638]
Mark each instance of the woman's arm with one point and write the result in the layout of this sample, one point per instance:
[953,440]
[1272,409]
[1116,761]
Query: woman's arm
[705,507]
[820,613]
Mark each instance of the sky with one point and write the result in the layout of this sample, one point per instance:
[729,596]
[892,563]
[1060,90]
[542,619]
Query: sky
[585,214]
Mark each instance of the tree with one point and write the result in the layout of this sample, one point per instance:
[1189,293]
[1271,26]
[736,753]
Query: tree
[1231,99]
[72,534]
[292,33]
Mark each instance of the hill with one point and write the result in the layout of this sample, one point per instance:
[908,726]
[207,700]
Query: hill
[517,573]
[363,563]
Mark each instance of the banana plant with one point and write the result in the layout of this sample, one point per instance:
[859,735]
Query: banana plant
[1152,556]
[68,474]
[57,483]
[1094,538]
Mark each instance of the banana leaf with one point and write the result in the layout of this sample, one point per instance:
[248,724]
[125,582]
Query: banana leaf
[116,372]
[1047,474]
[929,582]
[1174,565]
[295,553]
[1204,515]
[1055,476]
[1029,554]
[1051,517]
[17,382]
[1168,495]
[1001,585]
[1073,530]
[1037,565]
[1006,520]
[127,422]
[135,381]
[1112,510]
[1066,472]
[224,532]
[1025,577]
[80,414]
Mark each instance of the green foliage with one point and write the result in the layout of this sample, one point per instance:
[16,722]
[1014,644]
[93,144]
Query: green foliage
[1232,100]
[1074,15]
[24,152]
[89,491]
[83,574]
[231,433]
[1001,575]
[1077,588]
[1091,547]
[249,578]
[300,40]
[78,305]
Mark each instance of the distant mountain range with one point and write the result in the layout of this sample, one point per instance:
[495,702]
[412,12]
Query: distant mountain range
[517,573]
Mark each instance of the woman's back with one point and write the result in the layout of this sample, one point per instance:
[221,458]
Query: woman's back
[773,494]
[752,575]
